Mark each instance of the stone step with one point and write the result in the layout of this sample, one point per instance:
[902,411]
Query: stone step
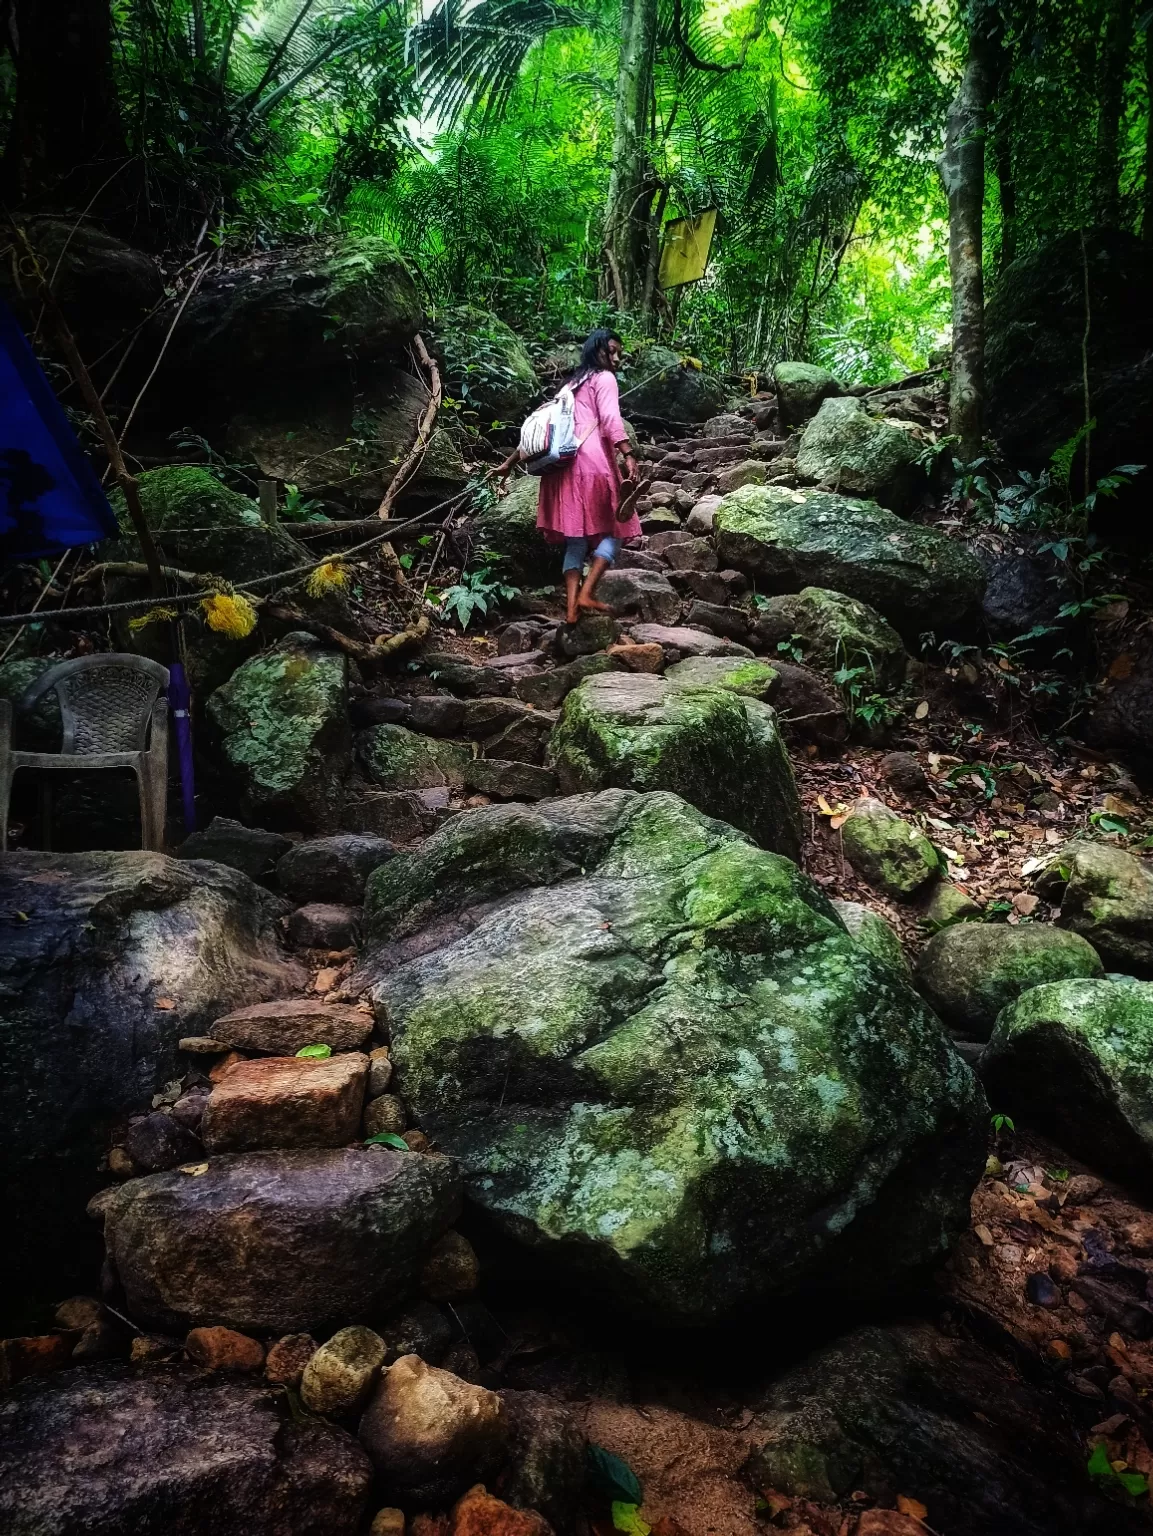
[286,1101]
[283,1027]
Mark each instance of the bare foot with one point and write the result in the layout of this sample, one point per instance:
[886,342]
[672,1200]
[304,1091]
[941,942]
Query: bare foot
[591,605]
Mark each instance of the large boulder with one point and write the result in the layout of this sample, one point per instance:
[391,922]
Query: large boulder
[485,364]
[108,960]
[1035,327]
[337,1233]
[874,933]
[114,1450]
[661,383]
[847,448]
[917,578]
[283,716]
[662,1061]
[835,631]
[968,972]
[332,868]
[1075,1059]
[718,749]
[393,757]
[1106,896]
[508,528]
[294,310]
[801,387]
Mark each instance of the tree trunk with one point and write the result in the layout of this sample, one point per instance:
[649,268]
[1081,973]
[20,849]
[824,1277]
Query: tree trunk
[66,138]
[1147,216]
[629,232]
[1112,72]
[962,170]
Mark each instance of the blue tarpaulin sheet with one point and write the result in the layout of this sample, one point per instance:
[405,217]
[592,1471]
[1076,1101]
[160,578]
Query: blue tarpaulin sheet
[50,498]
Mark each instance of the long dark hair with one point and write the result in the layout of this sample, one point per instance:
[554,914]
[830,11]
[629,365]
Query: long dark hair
[594,356]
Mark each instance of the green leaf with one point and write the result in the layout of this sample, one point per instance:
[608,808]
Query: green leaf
[388,1139]
[1099,1462]
[1132,1482]
[316,1052]
[613,1477]
[626,1517]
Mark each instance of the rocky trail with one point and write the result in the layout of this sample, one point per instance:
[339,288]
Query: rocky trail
[687,1070]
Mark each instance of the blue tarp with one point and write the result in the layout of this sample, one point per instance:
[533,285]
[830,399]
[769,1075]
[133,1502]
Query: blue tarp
[50,498]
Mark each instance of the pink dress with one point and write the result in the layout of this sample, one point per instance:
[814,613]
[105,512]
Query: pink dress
[581,500]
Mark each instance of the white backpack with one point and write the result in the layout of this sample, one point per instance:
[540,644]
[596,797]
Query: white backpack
[548,438]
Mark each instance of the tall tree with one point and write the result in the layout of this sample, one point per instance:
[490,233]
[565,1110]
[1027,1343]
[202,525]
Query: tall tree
[1112,72]
[962,170]
[628,231]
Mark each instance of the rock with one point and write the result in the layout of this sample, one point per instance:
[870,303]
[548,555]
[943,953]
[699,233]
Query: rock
[719,750]
[1106,896]
[324,925]
[680,642]
[508,528]
[485,364]
[747,472]
[430,1434]
[451,1270]
[295,309]
[331,868]
[835,631]
[506,780]
[33,1356]
[632,560]
[690,555]
[733,623]
[396,758]
[387,1522]
[282,1028]
[887,851]
[1041,1291]
[283,1101]
[223,1349]
[116,1448]
[903,772]
[107,937]
[948,904]
[546,1459]
[808,708]
[342,1373]
[340,1233]
[700,519]
[520,636]
[670,1003]
[548,690]
[659,384]
[421,1329]
[480,1514]
[379,1071]
[188,1110]
[875,934]
[1072,1058]
[384,1114]
[286,1359]
[523,740]
[945,1420]
[158,1141]
[1023,591]
[847,448]
[284,719]
[395,816]
[754,678]
[801,387]
[644,593]
[591,632]
[638,658]
[915,577]
[252,850]
[968,972]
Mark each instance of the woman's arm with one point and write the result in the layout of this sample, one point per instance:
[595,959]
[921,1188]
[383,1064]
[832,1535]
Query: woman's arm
[612,423]
[502,471]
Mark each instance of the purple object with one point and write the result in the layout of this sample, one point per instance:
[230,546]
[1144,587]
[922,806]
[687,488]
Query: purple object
[180,703]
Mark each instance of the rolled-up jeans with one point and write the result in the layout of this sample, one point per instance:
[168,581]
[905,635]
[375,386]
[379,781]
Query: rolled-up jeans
[576,552]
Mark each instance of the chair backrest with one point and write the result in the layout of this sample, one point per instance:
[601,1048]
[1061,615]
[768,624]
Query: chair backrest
[105,701]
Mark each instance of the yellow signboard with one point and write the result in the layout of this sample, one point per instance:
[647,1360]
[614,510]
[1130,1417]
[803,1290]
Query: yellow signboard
[685,249]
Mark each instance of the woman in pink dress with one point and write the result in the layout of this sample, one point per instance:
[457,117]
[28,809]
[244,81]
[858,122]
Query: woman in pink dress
[580,505]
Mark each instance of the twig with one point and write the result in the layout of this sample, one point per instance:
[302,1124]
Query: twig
[423,431]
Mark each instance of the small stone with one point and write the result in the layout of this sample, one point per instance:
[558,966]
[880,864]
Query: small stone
[416,1141]
[396,815]
[644,594]
[223,1349]
[591,632]
[157,1141]
[421,1329]
[279,1101]
[1082,1189]
[679,641]
[887,851]
[80,1312]
[1041,1291]
[379,1071]
[286,1359]
[153,1349]
[1057,1349]
[1063,1268]
[903,772]
[100,1341]
[340,1375]
[547,1456]
[480,1514]
[202,1045]
[947,903]
[638,658]
[451,1269]
[188,1110]
[384,1114]
[700,519]
[33,1356]
[387,1522]
[324,925]
[719,619]
[689,555]
[120,1165]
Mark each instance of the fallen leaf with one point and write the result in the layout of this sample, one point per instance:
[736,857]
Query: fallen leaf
[627,1518]
[1121,666]
[912,1507]
[836,822]
[193,1170]
[1026,903]
[164,1002]
[921,710]
[317,1052]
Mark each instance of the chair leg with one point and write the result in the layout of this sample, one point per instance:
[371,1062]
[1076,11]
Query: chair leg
[7,774]
[47,806]
[153,779]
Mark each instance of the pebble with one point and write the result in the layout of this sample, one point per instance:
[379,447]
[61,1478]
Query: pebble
[480,1514]
[153,1348]
[638,658]
[202,1045]
[387,1522]
[416,1141]
[1057,1349]
[223,1349]
[451,1269]
[33,1356]
[80,1312]
[385,1113]
[340,1375]
[287,1358]
[1081,1189]
[379,1071]
[1041,1291]
[120,1165]
[157,1142]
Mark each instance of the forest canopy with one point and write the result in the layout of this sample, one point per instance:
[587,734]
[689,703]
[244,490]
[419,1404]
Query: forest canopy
[525,154]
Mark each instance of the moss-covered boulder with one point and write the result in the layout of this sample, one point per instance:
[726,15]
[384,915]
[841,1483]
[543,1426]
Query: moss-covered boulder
[739,674]
[660,382]
[874,933]
[888,851]
[662,1061]
[719,750]
[1075,1059]
[843,446]
[393,757]
[970,971]
[836,631]
[801,387]
[1106,895]
[508,528]
[486,366]
[917,578]
[283,716]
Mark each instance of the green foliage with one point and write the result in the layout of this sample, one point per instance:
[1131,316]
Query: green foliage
[612,1477]
[317,1052]
[1102,1468]
[1002,1123]
[476,592]
[387,1139]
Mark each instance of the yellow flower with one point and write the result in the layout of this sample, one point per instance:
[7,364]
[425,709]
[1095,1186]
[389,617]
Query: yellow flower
[329,577]
[229,614]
